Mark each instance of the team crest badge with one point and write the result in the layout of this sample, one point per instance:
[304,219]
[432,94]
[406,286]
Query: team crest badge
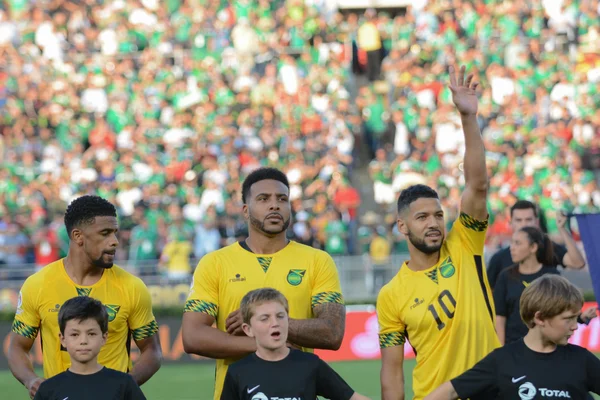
[295,276]
[112,311]
[447,268]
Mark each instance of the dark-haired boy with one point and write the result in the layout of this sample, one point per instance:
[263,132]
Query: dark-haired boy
[83,325]
[306,276]
[88,270]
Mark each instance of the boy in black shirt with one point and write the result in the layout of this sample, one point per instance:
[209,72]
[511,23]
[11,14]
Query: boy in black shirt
[83,323]
[275,371]
[542,365]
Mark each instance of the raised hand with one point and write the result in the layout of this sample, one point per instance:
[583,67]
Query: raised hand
[464,93]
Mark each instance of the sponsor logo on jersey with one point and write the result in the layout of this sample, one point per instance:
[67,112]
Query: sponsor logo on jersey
[447,268]
[238,278]
[528,392]
[417,302]
[112,311]
[55,309]
[295,276]
[262,396]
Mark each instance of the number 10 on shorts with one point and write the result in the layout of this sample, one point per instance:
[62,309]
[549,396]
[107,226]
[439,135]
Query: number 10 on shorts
[447,304]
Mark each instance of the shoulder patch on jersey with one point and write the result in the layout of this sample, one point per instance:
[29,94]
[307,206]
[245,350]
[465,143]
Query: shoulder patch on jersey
[265,262]
[447,268]
[472,223]
[83,291]
[295,276]
[327,297]
[25,330]
[201,306]
[145,331]
[433,275]
[112,311]
[391,339]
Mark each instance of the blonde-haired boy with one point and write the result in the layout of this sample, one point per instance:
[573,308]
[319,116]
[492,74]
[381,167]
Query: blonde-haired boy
[542,364]
[275,371]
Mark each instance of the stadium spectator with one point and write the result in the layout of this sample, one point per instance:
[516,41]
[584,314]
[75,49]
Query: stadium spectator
[265,258]
[522,214]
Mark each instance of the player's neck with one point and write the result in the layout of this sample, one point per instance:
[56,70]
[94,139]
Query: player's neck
[530,266]
[88,368]
[272,355]
[80,270]
[535,341]
[420,261]
[261,244]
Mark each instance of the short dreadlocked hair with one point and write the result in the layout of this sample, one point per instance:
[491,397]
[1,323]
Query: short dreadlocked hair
[262,174]
[84,210]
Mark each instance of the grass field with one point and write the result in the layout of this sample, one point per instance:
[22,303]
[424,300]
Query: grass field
[195,381]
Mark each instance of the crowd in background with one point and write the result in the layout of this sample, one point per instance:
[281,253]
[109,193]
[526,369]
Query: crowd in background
[164,107]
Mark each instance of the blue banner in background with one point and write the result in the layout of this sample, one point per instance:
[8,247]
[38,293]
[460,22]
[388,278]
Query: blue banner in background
[589,229]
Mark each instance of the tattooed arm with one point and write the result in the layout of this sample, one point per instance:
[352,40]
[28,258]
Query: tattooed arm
[324,331]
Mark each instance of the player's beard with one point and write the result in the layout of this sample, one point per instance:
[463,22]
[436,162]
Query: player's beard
[422,246]
[261,226]
[98,263]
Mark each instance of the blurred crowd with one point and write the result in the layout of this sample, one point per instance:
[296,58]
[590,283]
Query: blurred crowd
[164,107]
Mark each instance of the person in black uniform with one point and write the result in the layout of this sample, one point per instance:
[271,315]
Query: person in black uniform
[541,365]
[276,371]
[524,213]
[83,323]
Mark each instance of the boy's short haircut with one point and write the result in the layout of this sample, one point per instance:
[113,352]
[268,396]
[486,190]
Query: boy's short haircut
[551,295]
[82,308]
[259,296]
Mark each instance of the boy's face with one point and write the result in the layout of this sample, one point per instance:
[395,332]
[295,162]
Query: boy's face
[559,329]
[83,339]
[268,325]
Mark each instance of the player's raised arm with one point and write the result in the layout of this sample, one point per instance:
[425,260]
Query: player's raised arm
[326,329]
[464,96]
[145,335]
[201,310]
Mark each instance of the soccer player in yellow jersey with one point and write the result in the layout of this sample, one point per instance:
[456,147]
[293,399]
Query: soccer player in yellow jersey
[306,276]
[87,270]
[440,299]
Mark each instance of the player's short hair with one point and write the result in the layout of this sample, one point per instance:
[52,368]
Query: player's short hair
[262,174]
[524,205]
[550,295]
[84,210]
[82,308]
[414,193]
[257,297]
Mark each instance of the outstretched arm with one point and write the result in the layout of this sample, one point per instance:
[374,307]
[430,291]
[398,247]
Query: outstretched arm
[464,96]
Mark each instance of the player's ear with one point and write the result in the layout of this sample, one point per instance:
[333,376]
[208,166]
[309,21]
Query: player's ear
[77,236]
[402,227]
[246,212]
[247,330]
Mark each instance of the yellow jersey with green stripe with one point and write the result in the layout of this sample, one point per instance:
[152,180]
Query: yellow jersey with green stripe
[306,276]
[446,312]
[127,301]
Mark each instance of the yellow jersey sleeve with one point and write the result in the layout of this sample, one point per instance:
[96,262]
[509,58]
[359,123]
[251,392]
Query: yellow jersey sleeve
[141,320]
[326,285]
[392,330]
[27,317]
[204,293]
[470,232]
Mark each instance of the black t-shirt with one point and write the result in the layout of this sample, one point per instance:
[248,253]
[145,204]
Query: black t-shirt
[502,260]
[298,376]
[106,384]
[507,294]
[517,372]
